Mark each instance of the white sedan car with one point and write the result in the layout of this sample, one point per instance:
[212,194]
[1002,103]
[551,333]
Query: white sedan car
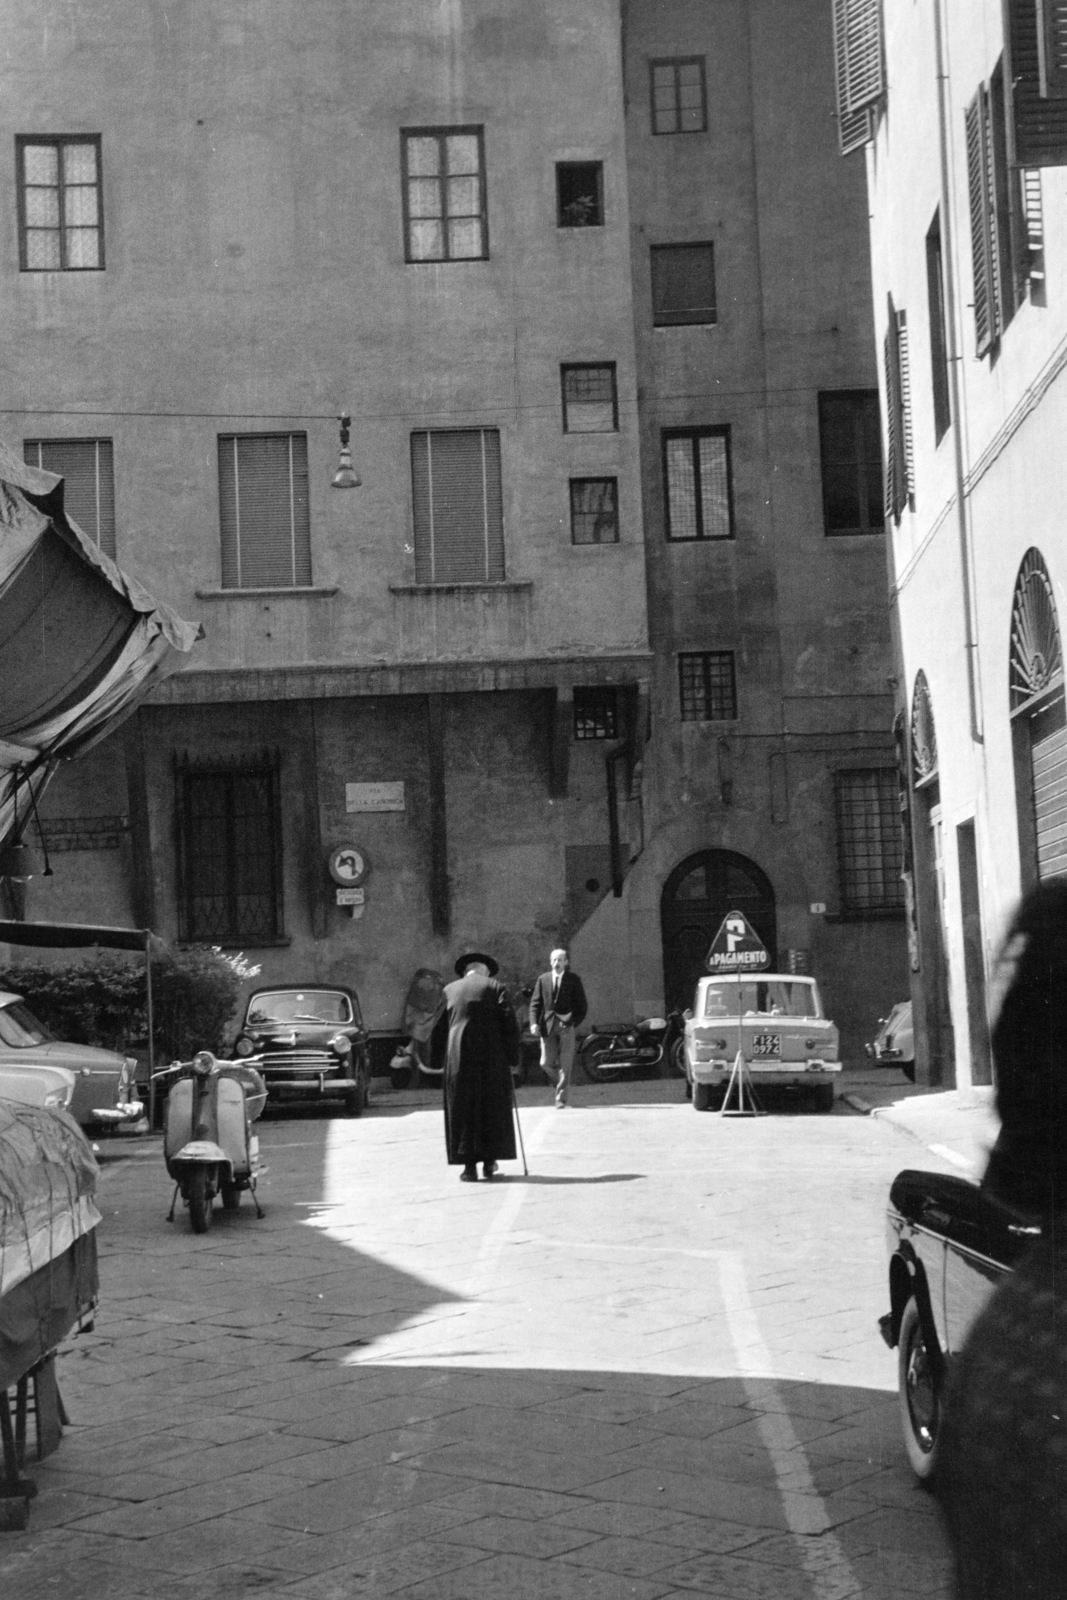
[779,1022]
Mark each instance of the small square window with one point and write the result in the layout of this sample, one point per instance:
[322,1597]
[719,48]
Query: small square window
[61,222]
[683,284]
[707,686]
[590,403]
[594,511]
[679,95]
[444,194]
[596,713]
[696,472]
[580,194]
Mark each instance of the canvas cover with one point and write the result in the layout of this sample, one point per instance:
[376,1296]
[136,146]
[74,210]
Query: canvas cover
[81,642]
[44,1307]
[47,1185]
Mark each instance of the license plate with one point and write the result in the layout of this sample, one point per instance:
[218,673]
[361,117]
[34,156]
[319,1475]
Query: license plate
[767,1046]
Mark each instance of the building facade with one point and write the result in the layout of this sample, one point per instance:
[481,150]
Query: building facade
[961,110]
[600,640]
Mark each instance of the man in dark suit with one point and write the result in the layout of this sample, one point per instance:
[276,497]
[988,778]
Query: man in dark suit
[476,1041]
[557,1008]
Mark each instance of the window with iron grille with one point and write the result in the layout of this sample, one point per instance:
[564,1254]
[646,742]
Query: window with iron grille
[229,852]
[594,511]
[683,284]
[61,221]
[596,713]
[707,686]
[458,506]
[850,444]
[580,194]
[88,472]
[869,841]
[444,194]
[679,95]
[263,510]
[696,471]
[590,403]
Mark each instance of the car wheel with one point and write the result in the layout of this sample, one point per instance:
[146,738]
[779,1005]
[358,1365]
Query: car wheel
[908,1069]
[920,1398]
[355,1100]
[231,1196]
[200,1198]
[822,1097]
[675,1059]
[702,1097]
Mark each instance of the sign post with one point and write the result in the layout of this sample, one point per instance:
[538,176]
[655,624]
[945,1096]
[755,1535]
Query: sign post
[737,947]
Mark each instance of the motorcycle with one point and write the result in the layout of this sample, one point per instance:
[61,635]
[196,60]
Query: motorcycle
[653,1044]
[209,1144]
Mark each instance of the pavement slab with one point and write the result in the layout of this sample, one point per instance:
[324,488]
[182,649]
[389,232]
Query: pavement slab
[652,1370]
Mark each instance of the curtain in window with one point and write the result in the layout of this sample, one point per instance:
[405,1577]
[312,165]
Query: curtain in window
[458,506]
[263,508]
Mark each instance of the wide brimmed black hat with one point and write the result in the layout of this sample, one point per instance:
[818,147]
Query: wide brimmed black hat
[476,955]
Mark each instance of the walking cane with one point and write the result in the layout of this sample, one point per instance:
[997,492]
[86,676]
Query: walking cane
[518,1124]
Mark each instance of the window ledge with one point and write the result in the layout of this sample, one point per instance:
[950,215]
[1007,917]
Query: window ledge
[507,586]
[315,591]
[872,914]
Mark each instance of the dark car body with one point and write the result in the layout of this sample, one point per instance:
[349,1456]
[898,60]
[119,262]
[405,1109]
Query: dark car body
[950,1243]
[105,1086]
[894,1043]
[308,1042]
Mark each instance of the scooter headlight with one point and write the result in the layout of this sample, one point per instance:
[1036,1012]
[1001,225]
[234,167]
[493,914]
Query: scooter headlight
[203,1063]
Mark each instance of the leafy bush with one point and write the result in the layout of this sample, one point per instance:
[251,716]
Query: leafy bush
[103,1000]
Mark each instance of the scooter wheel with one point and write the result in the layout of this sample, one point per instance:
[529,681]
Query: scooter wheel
[199,1201]
[231,1196]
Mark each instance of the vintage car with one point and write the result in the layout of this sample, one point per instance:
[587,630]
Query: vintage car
[308,1043]
[950,1243]
[778,1018]
[51,1087]
[894,1043]
[105,1088]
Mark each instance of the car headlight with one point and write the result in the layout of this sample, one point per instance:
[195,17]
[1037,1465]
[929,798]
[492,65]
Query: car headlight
[341,1043]
[245,1047]
[57,1099]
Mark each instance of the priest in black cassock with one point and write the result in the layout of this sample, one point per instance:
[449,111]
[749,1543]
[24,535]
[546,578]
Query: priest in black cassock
[477,1041]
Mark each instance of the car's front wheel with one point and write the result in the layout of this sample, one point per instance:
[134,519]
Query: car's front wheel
[920,1395]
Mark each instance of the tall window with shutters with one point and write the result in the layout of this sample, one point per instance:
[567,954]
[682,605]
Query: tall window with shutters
[899,478]
[458,506]
[229,851]
[935,293]
[88,472]
[859,64]
[263,511]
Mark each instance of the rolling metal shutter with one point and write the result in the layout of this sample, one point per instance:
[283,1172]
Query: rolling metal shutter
[1048,754]
[88,472]
[263,511]
[458,506]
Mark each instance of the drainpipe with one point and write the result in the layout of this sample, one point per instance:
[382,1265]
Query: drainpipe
[955,385]
[611,761]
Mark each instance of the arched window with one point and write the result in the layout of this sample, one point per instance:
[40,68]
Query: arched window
[923,734]
[1039,724]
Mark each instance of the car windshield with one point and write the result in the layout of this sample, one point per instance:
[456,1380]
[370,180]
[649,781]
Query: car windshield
[19,1027]
[771,997]
[298,1005]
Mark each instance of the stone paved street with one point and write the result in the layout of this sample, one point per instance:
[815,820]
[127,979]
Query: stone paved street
[651,1370]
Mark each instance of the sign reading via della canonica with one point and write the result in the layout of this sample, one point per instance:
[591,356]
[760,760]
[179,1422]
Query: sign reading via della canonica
[737,947]
[374,797]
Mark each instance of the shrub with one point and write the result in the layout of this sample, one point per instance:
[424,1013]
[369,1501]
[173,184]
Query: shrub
[103,1001]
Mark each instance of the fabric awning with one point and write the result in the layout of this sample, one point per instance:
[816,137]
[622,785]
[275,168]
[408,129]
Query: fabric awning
[73,936]
[81,642]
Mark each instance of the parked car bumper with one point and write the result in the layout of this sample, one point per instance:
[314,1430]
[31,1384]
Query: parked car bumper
[121,1117]
[772,1073]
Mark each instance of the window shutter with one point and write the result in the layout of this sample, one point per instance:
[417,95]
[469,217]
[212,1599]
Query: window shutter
[458,508]
[88,472]
[1037,52]
[264,513]
[1033,265]
[976,127]
[898,477]
[859,67]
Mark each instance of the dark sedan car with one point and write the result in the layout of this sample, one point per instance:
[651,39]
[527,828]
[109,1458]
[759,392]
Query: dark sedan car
[950,1243]
[308,1043]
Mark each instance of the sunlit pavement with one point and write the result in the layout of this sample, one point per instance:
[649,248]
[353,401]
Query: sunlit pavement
[650,1369]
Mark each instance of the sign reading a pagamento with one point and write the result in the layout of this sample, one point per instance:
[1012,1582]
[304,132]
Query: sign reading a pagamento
[374,797]
[737,947]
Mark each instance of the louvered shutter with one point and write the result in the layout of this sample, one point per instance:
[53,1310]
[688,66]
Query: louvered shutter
[88,472]
[1033,265]
[859,69]
[976,127]
[898,421]
[1037,52]
[458,506]
[264,513]
[1048,754]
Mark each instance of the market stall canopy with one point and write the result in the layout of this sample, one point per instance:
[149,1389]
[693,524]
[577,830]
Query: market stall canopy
[76,936]
[81,643]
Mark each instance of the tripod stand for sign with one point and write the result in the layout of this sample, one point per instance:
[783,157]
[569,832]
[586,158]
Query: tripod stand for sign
[735,940]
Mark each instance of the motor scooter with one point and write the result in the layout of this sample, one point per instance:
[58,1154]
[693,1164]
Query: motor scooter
[208,1140]
[648,1046]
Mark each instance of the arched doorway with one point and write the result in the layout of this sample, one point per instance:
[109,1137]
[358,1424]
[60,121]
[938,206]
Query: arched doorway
[696,897]
[1039,724]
